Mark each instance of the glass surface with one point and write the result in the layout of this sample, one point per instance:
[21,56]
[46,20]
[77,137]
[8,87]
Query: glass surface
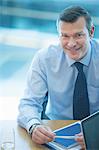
[7,146]
[7,139]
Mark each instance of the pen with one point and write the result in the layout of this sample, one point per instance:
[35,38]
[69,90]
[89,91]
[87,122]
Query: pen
[65,137]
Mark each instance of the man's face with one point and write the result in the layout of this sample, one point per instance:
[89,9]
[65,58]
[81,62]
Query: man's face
[74,38]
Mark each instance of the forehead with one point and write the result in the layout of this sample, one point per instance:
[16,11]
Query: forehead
[77,26]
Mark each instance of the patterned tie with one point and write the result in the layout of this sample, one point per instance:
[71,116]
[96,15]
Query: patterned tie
[80,97]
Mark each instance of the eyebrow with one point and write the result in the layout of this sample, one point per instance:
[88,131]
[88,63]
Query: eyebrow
[81,32]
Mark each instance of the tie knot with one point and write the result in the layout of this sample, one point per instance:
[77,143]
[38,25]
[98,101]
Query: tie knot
[79,66]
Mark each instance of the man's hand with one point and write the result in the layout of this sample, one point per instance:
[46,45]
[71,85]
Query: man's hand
[42,134]
[79,138]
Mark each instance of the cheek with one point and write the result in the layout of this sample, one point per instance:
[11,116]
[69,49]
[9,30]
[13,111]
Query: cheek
[63,43]
[84,45]
[83,41]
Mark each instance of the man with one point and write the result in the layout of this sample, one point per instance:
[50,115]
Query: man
[53,74]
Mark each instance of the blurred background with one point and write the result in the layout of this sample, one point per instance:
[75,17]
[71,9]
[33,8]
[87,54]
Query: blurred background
[25,27]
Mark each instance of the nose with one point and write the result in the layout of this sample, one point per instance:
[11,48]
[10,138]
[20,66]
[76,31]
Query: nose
[71,42]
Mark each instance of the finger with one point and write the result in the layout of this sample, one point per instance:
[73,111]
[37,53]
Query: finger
[45,138]
[79,138]
[37,140]
[82,146]
[81,142]
[42,135]
[79,134]
[46,131]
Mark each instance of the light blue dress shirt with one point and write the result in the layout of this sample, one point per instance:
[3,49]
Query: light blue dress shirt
[54,72]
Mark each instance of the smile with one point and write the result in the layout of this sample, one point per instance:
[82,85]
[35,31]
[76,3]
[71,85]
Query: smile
[74,50]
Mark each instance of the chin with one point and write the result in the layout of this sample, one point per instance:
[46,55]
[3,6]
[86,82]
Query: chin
[74,57]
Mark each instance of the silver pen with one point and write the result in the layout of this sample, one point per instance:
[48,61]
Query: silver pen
[65,137]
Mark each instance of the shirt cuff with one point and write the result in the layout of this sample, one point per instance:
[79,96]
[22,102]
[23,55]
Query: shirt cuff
[31,122]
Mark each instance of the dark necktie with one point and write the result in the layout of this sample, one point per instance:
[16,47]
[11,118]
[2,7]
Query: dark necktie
[80,97]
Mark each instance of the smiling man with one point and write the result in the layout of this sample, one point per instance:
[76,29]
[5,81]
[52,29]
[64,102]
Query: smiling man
[75,36]
[66,75]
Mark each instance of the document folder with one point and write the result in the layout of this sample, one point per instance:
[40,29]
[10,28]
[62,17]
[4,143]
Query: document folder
[65,144]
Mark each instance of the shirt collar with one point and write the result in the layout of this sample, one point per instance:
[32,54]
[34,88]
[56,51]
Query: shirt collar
[85,60]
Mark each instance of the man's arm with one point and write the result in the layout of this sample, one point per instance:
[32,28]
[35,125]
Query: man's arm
[30,107]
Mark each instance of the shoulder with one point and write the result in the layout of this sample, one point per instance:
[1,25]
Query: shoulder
[47,55]
[49,52]
[95,51]
[95,45]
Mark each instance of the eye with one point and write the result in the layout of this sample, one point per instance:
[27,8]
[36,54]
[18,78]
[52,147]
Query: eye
[78,35]
[64,35]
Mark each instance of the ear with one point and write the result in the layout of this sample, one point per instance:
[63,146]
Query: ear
[92,31]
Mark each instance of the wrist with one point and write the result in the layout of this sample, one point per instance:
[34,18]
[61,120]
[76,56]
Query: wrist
[31,129]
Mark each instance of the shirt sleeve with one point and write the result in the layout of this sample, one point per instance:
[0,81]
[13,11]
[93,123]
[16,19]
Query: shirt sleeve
[30,106]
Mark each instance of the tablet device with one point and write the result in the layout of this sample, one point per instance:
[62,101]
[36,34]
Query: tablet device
[90,129]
